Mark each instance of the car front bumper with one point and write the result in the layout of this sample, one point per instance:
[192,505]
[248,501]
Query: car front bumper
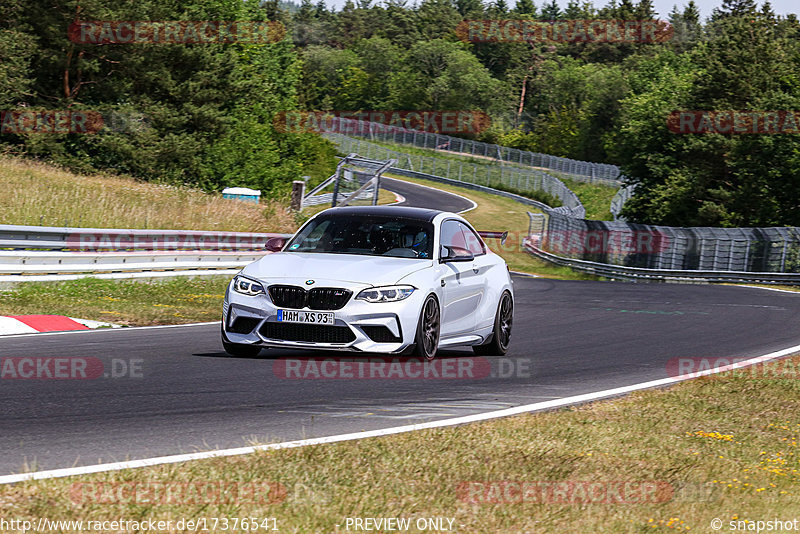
[355,321]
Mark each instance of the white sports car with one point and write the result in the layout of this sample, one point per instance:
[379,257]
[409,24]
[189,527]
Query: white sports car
[384,279]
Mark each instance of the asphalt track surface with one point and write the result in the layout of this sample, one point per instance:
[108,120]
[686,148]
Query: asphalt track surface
[186,394]
[425,197]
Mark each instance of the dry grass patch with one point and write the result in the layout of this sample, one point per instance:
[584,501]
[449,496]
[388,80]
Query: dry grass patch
[39,194]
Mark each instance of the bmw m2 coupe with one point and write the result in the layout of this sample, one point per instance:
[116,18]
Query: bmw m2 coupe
[380,279]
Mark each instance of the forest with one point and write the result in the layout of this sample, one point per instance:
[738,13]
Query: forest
[203,113]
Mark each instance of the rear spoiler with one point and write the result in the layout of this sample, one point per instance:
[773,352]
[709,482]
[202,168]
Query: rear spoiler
[502,236]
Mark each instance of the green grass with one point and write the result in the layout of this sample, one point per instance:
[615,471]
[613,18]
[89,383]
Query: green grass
[720,447]
[495,213]
[596,198]
[127,302]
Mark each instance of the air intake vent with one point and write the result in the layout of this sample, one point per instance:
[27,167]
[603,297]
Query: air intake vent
[307,332]
[380,334]
[244,325]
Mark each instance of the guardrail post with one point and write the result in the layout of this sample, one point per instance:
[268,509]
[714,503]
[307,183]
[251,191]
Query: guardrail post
[298,189]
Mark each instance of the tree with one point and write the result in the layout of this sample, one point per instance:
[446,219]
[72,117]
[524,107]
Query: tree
[713,179]
[550,11]
[469,8]
[686,25]
[437,19]
[525,7]
[645,10]
[735,8]
[17,47]
[691,14]
[207,110]
[441,75]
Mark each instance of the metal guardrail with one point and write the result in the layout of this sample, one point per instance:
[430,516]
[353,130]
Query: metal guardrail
[17,237]
[617,272]
[40,253]
[619,200]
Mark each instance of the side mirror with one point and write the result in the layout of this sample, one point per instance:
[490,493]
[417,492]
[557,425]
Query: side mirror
[456,254]
[275,244]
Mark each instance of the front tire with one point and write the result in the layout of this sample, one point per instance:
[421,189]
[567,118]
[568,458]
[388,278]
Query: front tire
[427,338]
[238,350]
[501,333]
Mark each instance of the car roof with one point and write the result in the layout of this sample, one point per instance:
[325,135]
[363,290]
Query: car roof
[403,212]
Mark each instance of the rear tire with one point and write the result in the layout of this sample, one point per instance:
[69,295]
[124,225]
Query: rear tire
[501,333]
[427,338]
[239,350]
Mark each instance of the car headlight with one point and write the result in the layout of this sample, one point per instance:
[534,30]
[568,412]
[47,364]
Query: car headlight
[386,293]
[247,286]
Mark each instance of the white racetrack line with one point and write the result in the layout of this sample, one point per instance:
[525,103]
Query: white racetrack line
[527,408]
[771,289]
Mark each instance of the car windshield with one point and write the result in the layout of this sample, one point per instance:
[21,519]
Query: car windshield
[366,235]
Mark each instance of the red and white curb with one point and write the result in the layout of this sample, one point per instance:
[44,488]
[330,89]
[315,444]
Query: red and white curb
[31,324]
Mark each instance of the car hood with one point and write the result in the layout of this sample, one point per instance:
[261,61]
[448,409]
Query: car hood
[325,269]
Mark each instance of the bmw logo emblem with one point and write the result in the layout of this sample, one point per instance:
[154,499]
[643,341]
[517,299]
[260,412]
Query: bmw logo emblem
[309,282]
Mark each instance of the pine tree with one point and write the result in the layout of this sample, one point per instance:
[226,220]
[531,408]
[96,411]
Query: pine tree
[645,10]
[525,7]
[305,14]
[735,8]
[691,14]
[767,11]
[551,11]
[573,10]
[626,10]
[467,7]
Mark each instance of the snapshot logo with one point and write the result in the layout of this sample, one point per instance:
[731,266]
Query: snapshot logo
[565,31]
[104,32]
[144,241]
[209,492]
[694,367]
[364,122]
[69,368]
[400,368]
[564,492]
[605,242]
[734,122]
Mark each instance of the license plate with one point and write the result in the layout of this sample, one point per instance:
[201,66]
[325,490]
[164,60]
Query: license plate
[289,316]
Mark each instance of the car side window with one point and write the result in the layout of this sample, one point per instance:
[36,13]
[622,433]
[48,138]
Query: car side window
[473,243]
[452,235]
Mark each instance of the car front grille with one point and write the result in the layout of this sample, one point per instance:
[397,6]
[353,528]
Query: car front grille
[320,298]
[313,333]
[288,296]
